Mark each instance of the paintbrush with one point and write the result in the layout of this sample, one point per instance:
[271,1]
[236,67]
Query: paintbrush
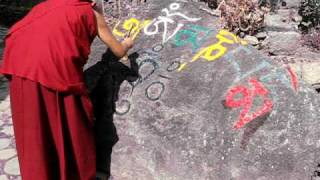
[125,58]
[129,33]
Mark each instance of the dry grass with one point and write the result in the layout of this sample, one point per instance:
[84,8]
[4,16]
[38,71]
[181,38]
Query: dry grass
[242,16]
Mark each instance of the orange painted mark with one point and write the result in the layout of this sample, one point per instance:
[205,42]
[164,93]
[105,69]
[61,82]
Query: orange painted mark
[294,78]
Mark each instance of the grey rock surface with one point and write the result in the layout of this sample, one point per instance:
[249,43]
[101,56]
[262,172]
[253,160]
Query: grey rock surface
[309,72]
[293,3]
[283,43]
[179,125]
[279,21]
[251,40]
[261,35]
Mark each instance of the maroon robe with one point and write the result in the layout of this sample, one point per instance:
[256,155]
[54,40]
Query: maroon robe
[52,115]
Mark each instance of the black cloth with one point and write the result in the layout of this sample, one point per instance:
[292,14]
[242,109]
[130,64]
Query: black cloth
[103,81]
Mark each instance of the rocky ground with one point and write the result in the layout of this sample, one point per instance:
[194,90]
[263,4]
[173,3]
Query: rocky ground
[282,41]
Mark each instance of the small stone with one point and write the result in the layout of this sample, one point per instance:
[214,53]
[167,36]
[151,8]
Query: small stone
[242,34]
[306,24]
[310,72]
[4,106]
[261,35]
[7,153]
[12,167]
[4,143]
[251,40]
[8,130]
[297,18]
[2,118]
[3,177]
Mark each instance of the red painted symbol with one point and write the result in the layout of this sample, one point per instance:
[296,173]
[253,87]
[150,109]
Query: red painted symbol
[246,101]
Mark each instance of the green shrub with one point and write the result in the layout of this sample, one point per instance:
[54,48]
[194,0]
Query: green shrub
[310,12]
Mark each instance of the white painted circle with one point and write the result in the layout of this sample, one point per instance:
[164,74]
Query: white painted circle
[174,6]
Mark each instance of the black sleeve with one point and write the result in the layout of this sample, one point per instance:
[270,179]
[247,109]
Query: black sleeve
[93,74]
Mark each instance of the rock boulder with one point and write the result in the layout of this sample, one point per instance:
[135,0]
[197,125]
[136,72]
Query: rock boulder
[208,106]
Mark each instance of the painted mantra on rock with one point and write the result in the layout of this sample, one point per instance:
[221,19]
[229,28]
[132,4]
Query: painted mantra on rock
[167,19]
[246,101]
[149,60]
[210,53]
[192,34]
[196,35]
[216,50]
[132,24]
[151,27]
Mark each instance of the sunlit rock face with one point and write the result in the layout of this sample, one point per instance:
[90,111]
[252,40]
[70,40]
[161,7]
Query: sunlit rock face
[207,106]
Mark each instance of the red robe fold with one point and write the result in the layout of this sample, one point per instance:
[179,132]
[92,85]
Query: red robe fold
[52,115]
[54,136]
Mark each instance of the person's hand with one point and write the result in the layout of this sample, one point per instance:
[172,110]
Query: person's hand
[127,43]
[98,6]
[93,4]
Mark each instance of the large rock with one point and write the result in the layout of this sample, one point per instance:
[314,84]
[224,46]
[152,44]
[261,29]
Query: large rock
[177,121]
[283,43]
[293,3]
[309,72]
[279,22]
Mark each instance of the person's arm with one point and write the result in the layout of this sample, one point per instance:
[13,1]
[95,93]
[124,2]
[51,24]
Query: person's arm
[105,34]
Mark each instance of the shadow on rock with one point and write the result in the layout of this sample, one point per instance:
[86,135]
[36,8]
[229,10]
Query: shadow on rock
[103,81]
[251,128]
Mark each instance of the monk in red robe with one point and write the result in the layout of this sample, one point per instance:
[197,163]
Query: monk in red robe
[52,115]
